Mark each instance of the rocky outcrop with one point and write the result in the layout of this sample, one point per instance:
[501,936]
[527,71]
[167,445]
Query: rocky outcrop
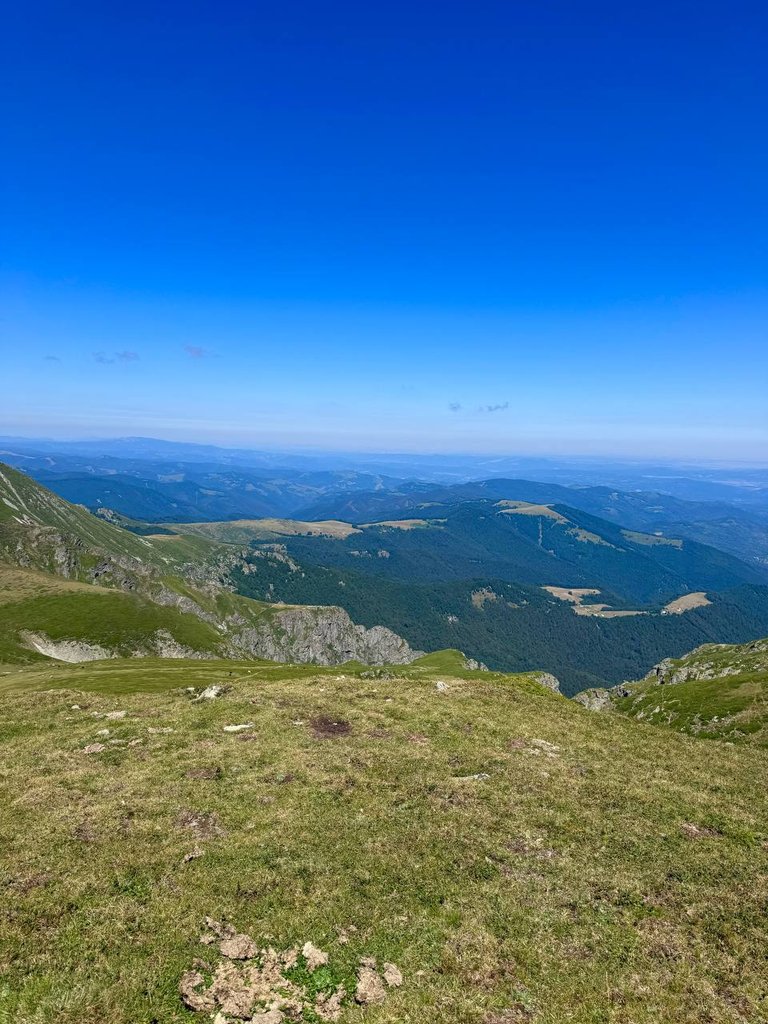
[160,645]
[596,699]
[707,662]
[551,682]
[320,636]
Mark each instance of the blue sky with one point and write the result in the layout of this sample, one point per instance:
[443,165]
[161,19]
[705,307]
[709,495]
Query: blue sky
[513,227]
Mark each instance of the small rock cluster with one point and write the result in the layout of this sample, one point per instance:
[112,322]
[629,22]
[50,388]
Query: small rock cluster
[253,984]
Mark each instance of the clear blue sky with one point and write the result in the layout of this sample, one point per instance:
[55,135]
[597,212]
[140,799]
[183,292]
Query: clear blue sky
[515,226]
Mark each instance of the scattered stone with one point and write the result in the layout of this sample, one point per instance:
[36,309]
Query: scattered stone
[103,732]
[210,693]
[136,742]
[239,728]
[392,976]
[160,731]
[478,777]
[74,707]
[192,855]
[115,716]
[315,957]
[441,687]
[370,988]
[94,748]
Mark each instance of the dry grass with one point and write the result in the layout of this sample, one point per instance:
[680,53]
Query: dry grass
[242,531]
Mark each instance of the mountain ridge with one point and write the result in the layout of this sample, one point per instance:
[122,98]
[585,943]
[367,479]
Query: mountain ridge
[175,585]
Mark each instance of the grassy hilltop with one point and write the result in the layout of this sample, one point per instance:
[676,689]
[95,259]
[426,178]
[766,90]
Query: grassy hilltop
[718,691]
[517,857]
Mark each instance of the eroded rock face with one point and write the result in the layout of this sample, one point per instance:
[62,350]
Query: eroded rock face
[65,650]
[321,636]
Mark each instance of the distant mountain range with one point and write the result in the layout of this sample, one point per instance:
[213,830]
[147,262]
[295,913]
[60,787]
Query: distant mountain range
[592,583]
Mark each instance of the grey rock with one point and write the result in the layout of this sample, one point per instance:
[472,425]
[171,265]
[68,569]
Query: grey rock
[597,699]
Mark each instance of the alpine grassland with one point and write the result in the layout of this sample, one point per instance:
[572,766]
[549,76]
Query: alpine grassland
[517,857]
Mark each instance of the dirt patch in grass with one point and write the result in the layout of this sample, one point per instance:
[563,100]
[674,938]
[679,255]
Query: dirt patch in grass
[693,831]
[205,772]
[326,727]
[202,824]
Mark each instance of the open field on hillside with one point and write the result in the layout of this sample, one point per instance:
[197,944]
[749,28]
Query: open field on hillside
[685,603]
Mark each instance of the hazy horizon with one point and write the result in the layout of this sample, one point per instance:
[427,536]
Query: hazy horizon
[318,451]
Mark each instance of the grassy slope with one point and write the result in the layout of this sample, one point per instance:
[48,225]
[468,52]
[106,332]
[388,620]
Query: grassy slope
[732,705]
[36,524]
[560,888]
[23,502]
[67,610]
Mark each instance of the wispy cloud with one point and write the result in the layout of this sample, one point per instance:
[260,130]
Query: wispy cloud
[52,359]
[492,407]
[195,351]
[126,356]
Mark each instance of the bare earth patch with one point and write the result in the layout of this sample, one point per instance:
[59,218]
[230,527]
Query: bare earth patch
[526,508]
[575,597]
[399,524]
[273,986]
[202,824]
[480,597]
[685,603]
[324,727]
